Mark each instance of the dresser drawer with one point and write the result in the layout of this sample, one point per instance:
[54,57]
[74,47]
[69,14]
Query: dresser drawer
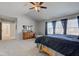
[28,35]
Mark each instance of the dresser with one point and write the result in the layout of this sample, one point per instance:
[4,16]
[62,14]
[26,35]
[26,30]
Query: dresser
[28,35]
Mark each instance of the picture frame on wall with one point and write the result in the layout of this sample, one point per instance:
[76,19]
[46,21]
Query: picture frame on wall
[27,28]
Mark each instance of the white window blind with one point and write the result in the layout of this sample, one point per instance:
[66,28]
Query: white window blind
[59,27]
[72,27]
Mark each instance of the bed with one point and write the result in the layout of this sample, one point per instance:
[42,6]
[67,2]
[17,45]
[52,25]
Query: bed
[67,45]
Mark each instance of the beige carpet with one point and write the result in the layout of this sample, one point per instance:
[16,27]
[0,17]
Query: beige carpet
[19,48]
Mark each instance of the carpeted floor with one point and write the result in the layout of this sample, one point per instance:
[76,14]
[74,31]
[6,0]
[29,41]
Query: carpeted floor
[19,48]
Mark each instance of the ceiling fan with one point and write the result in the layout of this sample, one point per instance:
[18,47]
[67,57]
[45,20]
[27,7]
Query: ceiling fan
[37,6]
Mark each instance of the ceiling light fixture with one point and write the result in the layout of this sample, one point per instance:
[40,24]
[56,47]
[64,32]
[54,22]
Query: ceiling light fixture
[37,6]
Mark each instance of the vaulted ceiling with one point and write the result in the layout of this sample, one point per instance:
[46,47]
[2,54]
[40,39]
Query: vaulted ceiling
[54,9]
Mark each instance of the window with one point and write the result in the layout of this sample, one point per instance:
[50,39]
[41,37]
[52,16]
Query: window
[59,28]
[72,27]
[49,28]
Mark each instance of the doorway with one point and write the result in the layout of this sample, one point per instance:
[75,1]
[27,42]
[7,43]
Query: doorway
[8,30]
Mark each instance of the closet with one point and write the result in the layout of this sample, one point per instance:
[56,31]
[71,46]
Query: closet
[7,29]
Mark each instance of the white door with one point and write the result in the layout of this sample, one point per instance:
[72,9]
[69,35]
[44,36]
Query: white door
[8,30]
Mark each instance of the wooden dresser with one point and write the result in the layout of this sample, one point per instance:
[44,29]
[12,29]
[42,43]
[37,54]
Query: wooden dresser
[28,35]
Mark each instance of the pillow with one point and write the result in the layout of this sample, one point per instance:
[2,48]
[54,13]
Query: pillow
[73,36]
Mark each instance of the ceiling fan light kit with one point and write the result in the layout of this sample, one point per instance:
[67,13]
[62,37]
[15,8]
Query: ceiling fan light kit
[37,6]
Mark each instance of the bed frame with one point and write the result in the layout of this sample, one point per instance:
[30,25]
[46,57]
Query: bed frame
[45,50]
[48,51]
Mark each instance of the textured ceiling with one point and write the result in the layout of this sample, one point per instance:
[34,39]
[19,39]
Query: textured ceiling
[54,9]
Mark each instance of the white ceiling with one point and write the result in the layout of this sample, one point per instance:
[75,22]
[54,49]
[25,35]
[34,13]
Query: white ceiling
[54,9]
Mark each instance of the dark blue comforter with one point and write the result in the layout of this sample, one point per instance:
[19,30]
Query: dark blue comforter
[64,44]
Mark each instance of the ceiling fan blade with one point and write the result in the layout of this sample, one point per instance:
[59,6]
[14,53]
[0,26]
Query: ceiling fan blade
[41,3]
[43,7]
[32,3]
[31,8]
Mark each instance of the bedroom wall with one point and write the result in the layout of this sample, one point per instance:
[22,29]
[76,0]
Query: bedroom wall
[23,20]
[40,27]
[42,23]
